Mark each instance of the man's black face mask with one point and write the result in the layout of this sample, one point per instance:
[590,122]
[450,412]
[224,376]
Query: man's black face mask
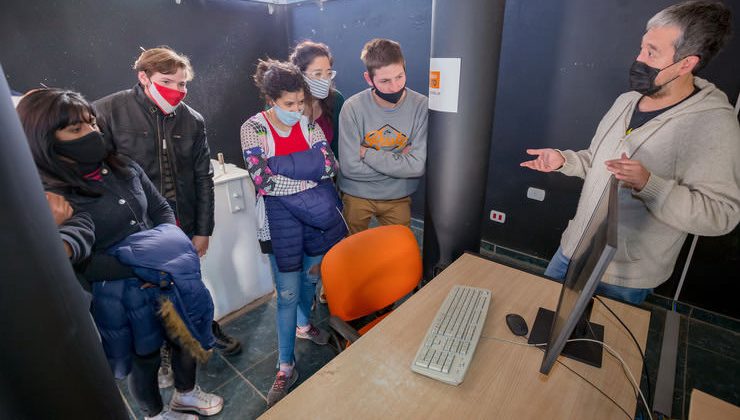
[642,77]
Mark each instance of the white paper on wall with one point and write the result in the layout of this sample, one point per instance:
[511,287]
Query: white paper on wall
[444,84]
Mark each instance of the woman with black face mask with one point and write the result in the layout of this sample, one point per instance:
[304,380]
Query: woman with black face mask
[144,273]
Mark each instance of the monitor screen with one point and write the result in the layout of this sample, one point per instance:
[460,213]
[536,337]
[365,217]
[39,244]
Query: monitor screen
[592,255]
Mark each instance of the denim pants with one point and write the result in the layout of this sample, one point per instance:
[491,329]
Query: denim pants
[558,267]
[295,292]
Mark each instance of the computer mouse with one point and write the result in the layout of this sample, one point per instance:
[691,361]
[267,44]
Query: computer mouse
[517,324]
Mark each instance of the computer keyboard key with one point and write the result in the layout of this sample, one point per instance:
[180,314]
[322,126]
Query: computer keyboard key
[448,364]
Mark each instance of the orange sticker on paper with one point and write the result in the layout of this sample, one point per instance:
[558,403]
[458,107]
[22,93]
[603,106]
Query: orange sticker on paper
[434,77]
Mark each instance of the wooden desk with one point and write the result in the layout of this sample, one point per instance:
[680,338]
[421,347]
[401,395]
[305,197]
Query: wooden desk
[706,407]
[373,378]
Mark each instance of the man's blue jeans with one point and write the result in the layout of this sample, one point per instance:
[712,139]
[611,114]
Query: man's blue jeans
[295,292]
[558,267]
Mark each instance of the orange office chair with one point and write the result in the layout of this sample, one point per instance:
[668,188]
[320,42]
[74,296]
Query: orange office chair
[367,272]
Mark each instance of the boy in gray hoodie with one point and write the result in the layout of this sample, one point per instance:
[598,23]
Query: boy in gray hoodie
[383,141]
[674,144]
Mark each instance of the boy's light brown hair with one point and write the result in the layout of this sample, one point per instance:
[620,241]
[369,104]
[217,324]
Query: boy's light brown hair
[163,60]
[380,52]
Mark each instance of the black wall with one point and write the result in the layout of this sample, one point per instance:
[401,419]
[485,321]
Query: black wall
[346,25]
[563,62]
[91,45]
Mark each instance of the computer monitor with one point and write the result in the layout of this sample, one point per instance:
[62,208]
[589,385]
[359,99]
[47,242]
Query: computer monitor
[592,255]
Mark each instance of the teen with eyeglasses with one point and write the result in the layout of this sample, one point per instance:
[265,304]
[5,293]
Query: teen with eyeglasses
[315,61]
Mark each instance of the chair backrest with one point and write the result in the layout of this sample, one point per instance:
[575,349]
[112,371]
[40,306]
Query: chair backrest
[370,270]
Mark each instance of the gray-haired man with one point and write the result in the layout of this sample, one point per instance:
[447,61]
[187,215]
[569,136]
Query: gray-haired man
[673,142]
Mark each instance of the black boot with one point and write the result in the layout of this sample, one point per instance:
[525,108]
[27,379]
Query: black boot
[227,345]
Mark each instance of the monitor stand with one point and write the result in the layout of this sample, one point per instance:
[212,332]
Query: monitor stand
[583,351]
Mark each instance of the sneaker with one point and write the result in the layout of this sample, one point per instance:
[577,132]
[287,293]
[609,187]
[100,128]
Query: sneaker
[164,376]
[281,386]
[167,414]
[197,400]
[226,344]
[314,334]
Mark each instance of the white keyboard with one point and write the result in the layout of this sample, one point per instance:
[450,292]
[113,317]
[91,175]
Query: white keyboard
[448,347]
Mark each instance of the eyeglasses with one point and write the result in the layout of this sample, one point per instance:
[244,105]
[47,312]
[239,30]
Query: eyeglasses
[318,74]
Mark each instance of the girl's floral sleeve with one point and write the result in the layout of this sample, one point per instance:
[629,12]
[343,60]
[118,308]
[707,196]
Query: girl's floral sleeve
[318,141]
[253,142]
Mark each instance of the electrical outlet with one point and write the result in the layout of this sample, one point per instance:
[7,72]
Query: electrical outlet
[498,216]
[536,194]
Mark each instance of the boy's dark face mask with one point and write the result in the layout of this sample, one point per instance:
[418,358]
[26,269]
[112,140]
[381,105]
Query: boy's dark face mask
[390,97]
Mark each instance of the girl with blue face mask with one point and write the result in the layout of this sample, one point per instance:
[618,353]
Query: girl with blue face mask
[298,211]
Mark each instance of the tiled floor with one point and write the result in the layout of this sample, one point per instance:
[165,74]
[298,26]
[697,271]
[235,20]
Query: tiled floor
[244,379]
[708,356]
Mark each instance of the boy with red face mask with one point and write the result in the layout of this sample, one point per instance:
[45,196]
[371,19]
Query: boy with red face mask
[151,124]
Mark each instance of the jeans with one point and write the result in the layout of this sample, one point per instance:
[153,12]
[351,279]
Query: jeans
[142,380]
[295,293]
[558,267]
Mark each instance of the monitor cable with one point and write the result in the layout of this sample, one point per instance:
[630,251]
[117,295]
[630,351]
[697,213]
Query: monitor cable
[639,406]
[606,347]
[637,343]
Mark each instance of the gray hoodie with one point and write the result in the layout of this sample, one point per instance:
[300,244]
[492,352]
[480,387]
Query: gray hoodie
[693,154]
[385,173]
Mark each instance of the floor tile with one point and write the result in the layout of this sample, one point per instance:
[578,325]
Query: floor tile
[677,409]
[714,339]
[309,359]
[138,412]
[653,351]
[241,401]
[263,373]
[215,373]
[716,319]
[652,360]
[712,373]
[256,331]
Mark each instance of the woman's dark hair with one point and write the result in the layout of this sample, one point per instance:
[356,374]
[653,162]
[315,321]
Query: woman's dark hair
[302,56]
[44,111]
[274,77]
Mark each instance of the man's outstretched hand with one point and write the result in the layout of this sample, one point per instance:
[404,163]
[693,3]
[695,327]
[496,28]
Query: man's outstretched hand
[547,160]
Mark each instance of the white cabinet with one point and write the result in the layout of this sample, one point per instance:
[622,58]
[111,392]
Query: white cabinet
[234,270]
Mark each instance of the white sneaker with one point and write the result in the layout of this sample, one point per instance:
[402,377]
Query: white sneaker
[196,400]
[167,414]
